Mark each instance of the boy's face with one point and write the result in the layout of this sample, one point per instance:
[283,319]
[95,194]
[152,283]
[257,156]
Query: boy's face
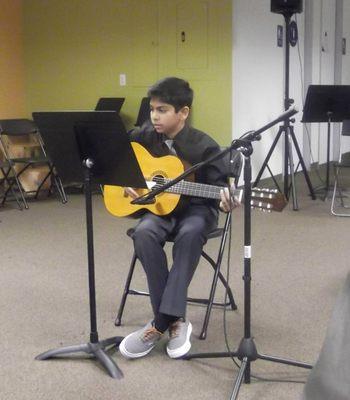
[165,119]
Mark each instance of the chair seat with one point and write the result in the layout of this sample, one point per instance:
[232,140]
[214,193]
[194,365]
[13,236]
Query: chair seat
[25,160]
[16,135]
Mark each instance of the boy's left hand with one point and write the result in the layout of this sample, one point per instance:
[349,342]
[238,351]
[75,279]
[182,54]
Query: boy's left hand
[228,202]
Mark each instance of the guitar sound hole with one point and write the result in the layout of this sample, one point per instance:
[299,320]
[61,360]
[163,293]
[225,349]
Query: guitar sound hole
[159,180]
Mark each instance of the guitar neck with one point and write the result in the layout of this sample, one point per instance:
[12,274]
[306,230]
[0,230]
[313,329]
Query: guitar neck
[265,199]
[196,189]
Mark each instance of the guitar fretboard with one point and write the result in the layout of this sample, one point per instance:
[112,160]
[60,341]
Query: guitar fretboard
[191,188]
[265,199]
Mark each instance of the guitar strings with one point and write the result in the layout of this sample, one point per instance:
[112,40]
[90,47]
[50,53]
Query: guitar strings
[189,188]
[261,196]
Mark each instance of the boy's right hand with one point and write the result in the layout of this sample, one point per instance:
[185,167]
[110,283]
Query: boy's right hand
[131,192]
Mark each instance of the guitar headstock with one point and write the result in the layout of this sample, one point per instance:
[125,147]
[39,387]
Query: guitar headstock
[268,199]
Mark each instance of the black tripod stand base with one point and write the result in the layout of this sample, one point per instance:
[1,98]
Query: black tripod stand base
[244,371]
[97,350]
[246,353]
[257,357]
[324,192]
[284,361]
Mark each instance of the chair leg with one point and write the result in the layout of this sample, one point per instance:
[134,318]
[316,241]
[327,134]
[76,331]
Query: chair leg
[118,320]
[337,189]
[217,274]
[19,186]
[334,191]
[231,302]
[59,186]
[203,333]
[16,198]
[10,187]
[42,184]
[61,190]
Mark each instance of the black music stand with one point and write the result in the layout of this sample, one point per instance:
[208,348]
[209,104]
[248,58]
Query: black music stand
[327,103]
[110,104]
[90,146]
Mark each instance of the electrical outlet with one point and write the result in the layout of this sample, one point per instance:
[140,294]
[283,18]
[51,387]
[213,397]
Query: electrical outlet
[122,80]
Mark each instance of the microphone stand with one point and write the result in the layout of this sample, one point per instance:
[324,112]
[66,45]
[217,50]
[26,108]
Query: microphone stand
[247,351]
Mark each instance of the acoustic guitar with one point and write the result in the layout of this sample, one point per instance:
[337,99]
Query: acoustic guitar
[160,170]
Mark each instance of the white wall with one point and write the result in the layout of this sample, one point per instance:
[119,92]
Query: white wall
[258,78]
[258,73]
[346,34]
[345,80]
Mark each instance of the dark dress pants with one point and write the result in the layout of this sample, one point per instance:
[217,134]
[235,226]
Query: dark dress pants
[189,230]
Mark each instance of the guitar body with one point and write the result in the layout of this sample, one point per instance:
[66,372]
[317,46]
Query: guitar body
[117,201]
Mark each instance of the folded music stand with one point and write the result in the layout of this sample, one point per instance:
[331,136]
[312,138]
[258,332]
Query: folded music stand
[110,104]
[90,146]
[327,103]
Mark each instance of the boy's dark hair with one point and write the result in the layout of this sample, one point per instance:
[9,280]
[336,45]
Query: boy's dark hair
[174,91]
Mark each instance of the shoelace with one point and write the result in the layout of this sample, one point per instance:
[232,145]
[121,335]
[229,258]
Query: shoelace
[150,334]
[175,329]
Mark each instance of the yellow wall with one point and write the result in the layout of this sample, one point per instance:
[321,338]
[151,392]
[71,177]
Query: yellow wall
[76,49]
[12,95]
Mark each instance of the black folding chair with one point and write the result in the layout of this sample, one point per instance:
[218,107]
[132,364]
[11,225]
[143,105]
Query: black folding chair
[215,263]
[339,203]
[25,132]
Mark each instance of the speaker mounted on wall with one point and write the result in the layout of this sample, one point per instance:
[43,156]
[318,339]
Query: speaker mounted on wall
[286,6]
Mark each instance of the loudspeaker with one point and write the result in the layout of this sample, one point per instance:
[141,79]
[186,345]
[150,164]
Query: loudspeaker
[286,6]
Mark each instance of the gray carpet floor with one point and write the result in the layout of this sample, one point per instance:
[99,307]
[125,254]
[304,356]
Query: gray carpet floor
[300,260]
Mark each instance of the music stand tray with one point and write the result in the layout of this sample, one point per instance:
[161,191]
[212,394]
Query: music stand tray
[327,103]
[110,104]
[90,146]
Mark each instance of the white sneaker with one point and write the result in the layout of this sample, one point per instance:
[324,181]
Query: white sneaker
[179,338]
[139,343]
